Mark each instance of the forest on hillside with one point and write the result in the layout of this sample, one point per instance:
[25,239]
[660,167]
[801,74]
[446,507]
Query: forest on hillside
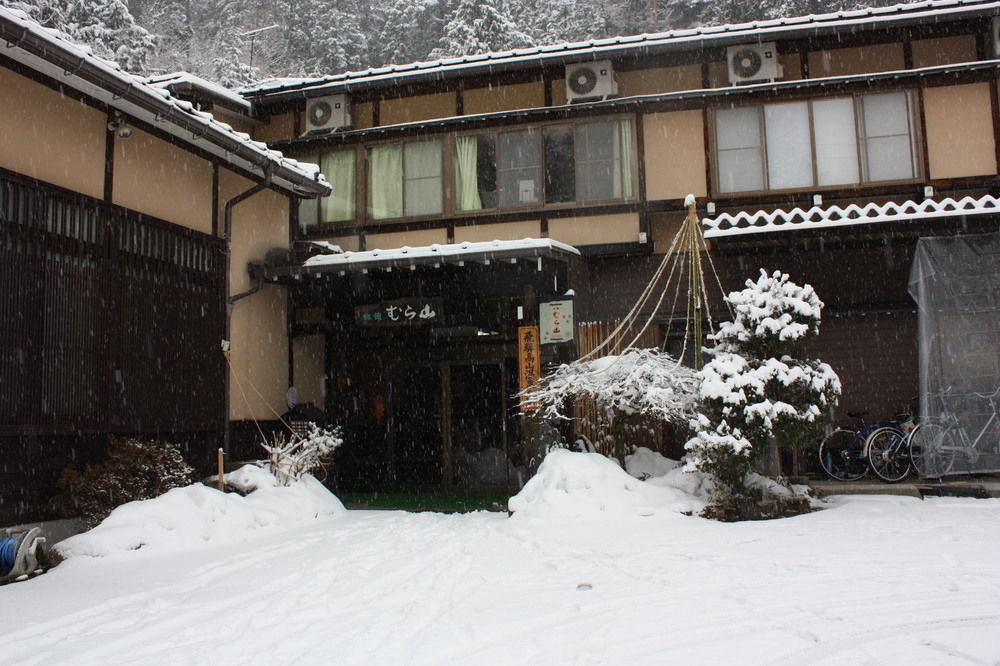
[235,42]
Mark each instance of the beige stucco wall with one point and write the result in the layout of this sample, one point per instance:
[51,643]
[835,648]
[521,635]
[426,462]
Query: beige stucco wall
[163,180]
[664,228]
[361,115]
[418,107]
[50,137]
[558,92]
[658,80]
[718,74]
[960,131]
[258,334]
[675,154]
[944,51]
[276,128]
[596,230]
[500,231]
[419,238]
[791,66]
[503,97]
[309,362]
[856,60]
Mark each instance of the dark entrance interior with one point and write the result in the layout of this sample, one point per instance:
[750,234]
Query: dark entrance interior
[428,426]
[414,437]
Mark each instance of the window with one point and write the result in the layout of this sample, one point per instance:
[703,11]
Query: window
[405,179]
[519,166]
[826,142]
[554,164]
[340,170]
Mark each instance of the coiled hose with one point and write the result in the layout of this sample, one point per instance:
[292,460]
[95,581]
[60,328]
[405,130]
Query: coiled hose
[8,549]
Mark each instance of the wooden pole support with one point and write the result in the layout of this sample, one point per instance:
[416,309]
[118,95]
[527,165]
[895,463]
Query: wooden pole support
[222,471]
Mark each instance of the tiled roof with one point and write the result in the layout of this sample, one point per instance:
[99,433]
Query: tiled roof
[603,48]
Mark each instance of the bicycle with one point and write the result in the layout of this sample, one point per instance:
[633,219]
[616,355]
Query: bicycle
[847,455]
[935,446]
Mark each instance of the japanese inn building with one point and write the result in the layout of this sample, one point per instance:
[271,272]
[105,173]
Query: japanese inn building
[470,194]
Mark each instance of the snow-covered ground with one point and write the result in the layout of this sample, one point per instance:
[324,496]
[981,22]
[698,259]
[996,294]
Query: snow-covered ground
[595,567]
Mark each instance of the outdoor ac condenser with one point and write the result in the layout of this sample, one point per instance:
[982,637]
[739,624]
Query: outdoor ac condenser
[753,63]
[590,81]
[324,114]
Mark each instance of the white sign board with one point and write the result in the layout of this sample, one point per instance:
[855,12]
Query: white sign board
[556,321]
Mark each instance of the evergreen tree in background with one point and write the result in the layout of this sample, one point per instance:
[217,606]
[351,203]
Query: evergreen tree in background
[479,26]
[104,25]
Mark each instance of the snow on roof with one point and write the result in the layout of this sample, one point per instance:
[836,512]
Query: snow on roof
[598,48]
[743,223]
[168,81]
[51,52]
[495,249]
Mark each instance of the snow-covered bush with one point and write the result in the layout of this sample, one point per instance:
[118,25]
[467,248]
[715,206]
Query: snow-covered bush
[289,458]
[134,470]
[639,381]
[754,392]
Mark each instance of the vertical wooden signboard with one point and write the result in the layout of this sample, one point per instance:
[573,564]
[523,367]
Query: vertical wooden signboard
[529,356]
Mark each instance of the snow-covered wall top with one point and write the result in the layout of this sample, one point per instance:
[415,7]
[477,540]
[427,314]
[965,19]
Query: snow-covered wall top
[51,52]
[813,24]
[760,221]
[168,81]
[454,251]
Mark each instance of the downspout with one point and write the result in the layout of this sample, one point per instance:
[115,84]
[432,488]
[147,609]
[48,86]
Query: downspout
[231,300]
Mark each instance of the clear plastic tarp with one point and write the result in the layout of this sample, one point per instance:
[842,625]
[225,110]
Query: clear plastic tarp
[955,281]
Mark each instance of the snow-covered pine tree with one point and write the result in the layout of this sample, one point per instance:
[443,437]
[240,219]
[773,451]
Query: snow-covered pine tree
[755,391]
[560,21]
[106,26]
[322,38]
[479,26]
[403,30]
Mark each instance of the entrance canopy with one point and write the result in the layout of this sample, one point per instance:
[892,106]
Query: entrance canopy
[409,258]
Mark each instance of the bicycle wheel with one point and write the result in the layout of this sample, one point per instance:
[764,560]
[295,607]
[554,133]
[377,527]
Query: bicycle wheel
[932,452]
[887,454]
[842,455]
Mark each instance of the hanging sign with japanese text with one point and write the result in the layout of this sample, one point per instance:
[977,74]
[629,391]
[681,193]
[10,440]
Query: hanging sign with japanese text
[556,319]
[529,357]
[400,312]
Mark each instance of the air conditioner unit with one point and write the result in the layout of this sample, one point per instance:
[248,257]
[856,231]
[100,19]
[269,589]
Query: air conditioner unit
[324,114]
[996,36]
[753,63]
[590,81]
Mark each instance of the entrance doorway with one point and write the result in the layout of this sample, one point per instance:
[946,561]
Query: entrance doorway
[428,426]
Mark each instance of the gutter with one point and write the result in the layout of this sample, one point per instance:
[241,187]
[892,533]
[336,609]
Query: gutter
[231,300]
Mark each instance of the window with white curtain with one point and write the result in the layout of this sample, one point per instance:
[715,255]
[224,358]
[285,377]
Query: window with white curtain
[340,169]
[835,141]
[552,164]
[404,179]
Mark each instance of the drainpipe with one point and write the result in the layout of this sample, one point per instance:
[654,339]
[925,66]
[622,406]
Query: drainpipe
[231,300]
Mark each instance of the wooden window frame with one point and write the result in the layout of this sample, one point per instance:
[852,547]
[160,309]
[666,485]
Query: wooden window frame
[540,127]
[860,141]
[367,218]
